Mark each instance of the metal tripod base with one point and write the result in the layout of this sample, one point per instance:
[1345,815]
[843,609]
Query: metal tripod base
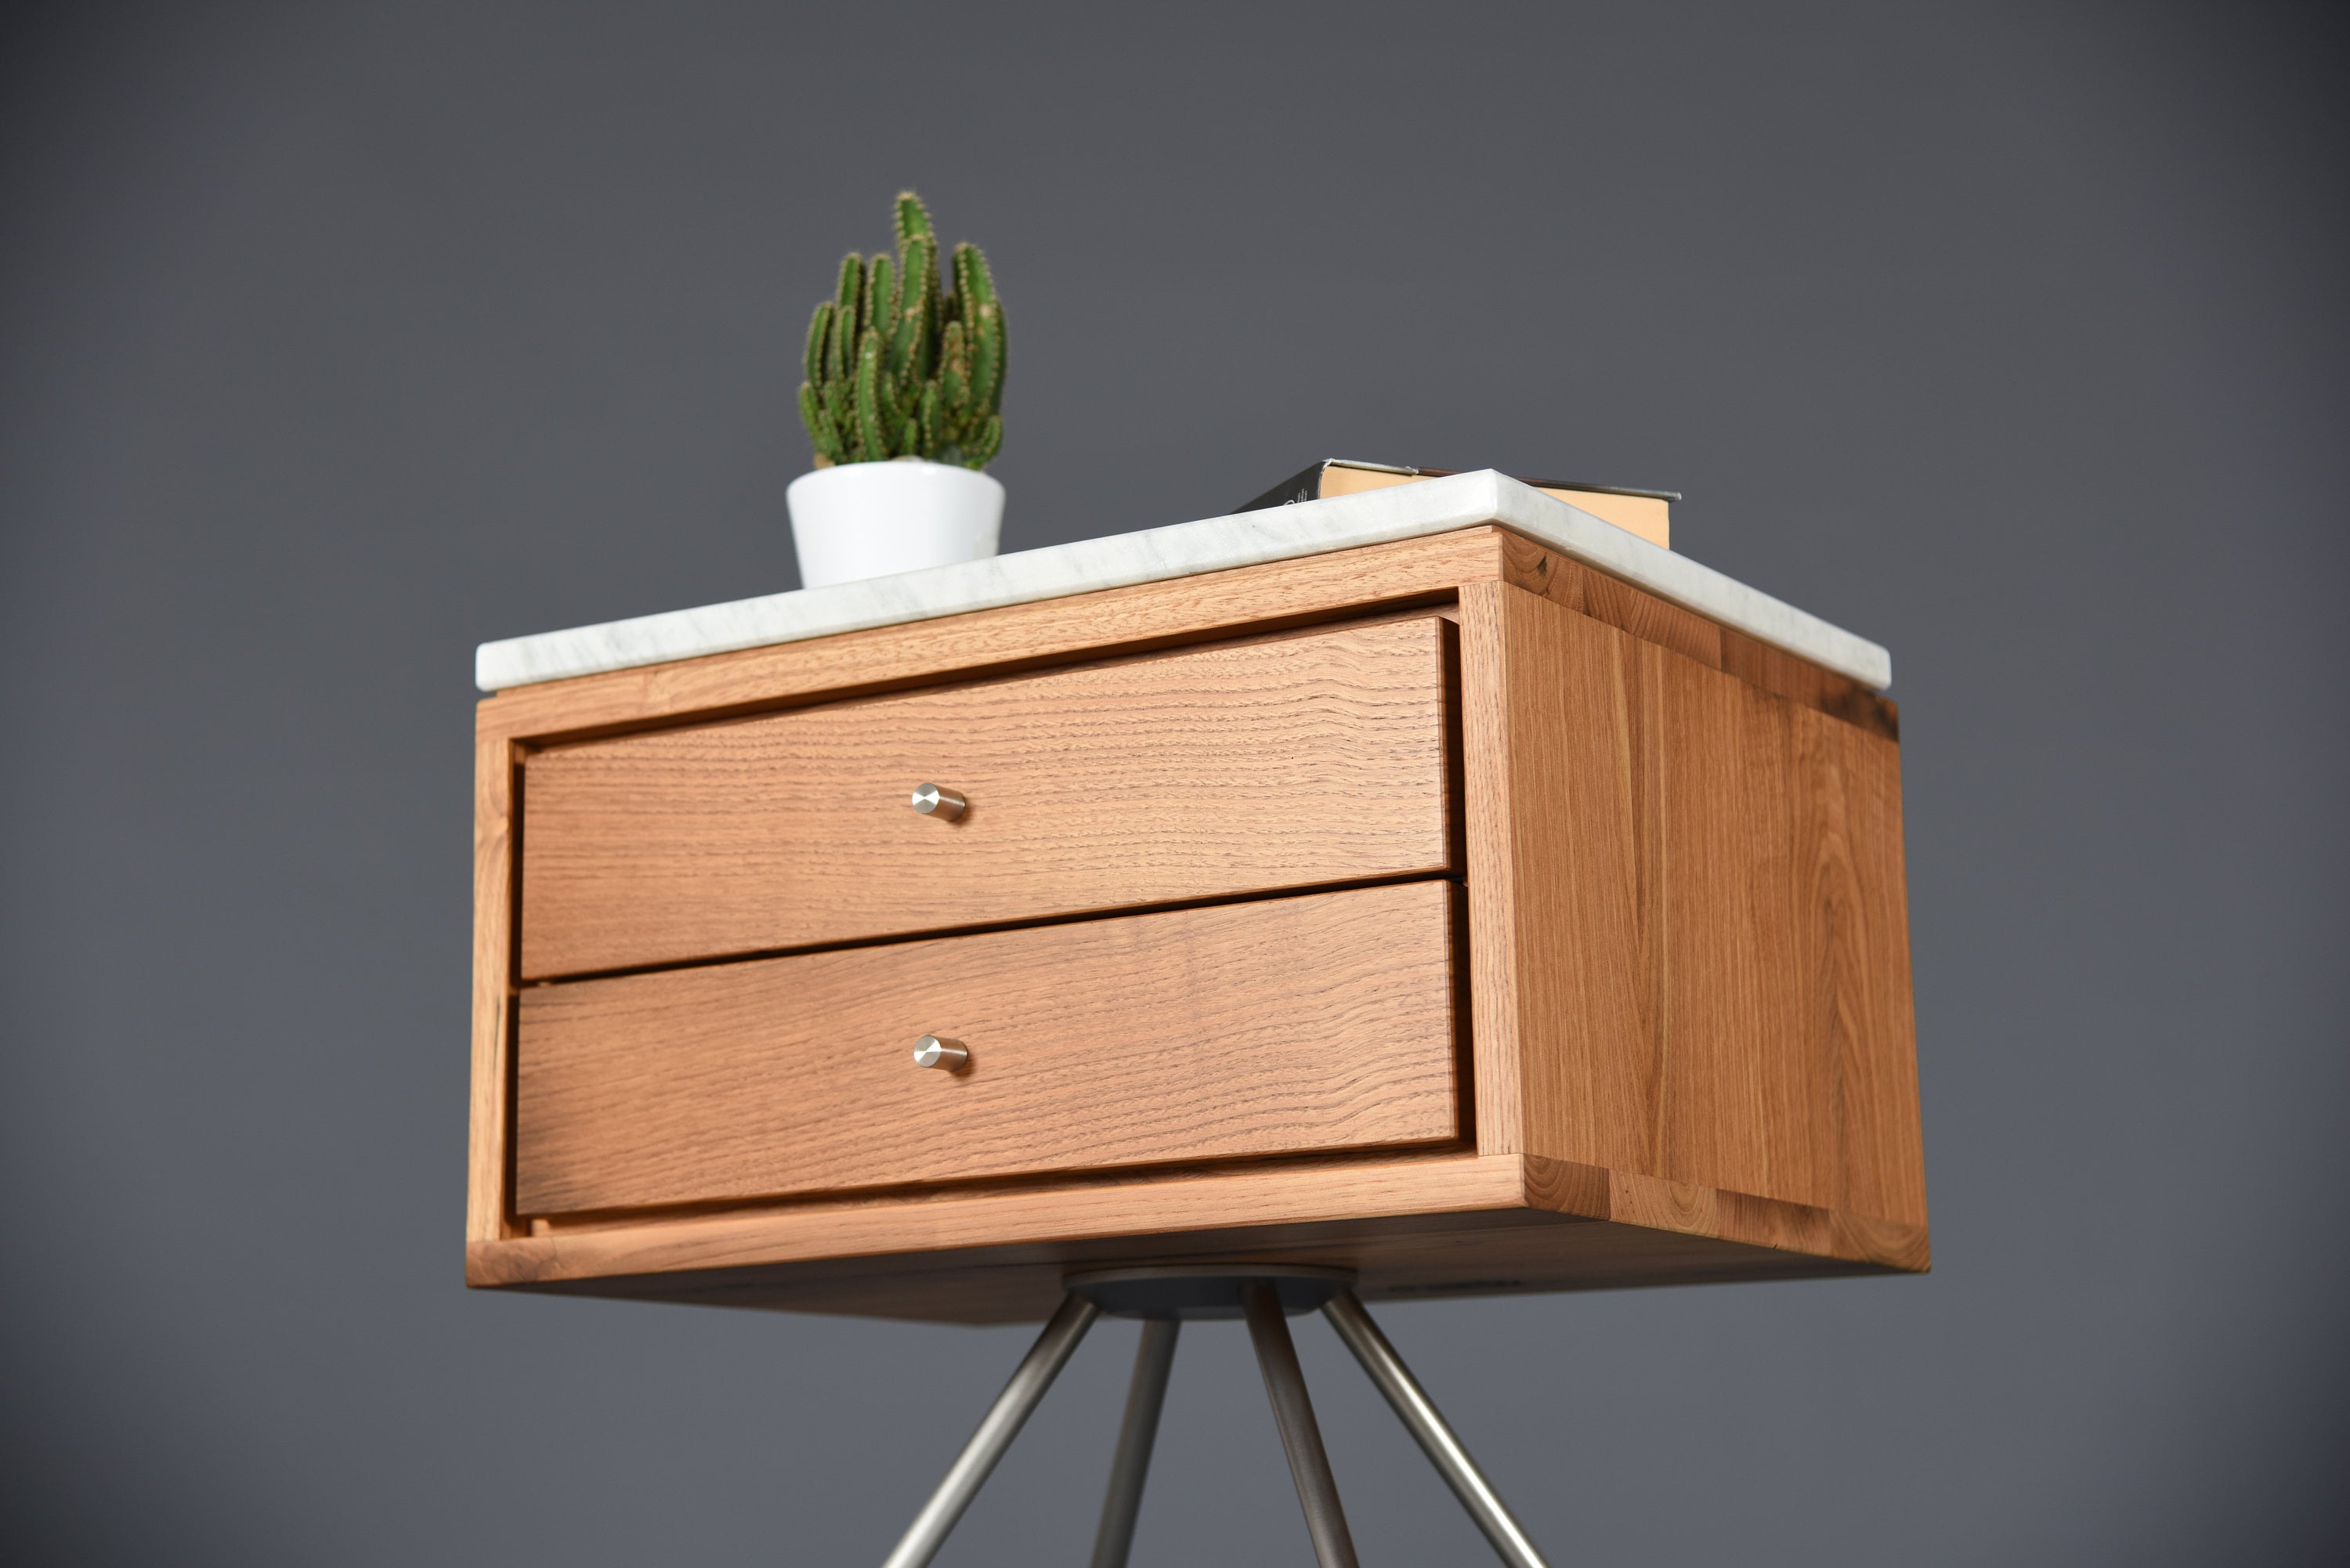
[1265,1295]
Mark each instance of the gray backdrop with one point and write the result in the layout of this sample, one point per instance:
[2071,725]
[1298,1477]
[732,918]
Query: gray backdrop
[335,339]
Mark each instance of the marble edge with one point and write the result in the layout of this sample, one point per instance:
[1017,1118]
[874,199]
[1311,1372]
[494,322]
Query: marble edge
[1177,550]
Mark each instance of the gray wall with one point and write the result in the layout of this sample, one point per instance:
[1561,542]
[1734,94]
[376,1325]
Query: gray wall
[335,339]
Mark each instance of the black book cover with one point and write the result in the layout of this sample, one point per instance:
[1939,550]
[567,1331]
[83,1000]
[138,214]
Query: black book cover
[1306,484]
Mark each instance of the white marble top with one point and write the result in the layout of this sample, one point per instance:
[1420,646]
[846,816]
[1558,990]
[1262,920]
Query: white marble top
[1183,549]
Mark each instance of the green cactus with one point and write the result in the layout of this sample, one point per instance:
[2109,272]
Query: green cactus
[896,367]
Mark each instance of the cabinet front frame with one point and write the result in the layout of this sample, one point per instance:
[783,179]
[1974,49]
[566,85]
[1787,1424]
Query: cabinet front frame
[1275,599]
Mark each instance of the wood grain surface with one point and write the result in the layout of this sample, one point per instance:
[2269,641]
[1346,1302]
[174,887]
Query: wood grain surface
[1412,1227]
[1691,925]
[1276,1026]
[1225,771]
[1774,836]
[1552,930]
[1587,591]
[494,766]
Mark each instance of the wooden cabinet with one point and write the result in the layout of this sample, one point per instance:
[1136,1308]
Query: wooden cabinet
[1443,909]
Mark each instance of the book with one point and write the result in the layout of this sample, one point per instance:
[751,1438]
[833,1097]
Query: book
[1647,513]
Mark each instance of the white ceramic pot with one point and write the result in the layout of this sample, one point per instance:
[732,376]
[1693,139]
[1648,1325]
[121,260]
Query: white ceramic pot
[871,519]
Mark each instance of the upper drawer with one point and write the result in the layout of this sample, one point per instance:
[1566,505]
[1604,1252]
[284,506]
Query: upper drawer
[1201,774]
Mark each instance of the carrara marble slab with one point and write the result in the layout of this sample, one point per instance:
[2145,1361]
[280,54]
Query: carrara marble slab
[1183,549]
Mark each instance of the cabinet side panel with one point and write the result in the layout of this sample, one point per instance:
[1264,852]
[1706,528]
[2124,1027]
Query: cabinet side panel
[1709,946]
[1876,1028]
[485,1177]
[1616,603]
[1788,1041]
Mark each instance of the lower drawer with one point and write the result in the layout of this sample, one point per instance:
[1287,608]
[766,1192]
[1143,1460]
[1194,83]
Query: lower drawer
[1283,1026]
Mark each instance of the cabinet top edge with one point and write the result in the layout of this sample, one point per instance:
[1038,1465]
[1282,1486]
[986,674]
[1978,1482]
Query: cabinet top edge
[1180,550]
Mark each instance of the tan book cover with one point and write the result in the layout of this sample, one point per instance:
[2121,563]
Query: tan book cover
[1647,513]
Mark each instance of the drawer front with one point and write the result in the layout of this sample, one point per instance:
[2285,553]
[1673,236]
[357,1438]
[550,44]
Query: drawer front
[1204,774]
[1324,1021]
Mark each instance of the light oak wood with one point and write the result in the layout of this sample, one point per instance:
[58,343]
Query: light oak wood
[1496,1051]
[1773,1123]
[1614,602]
[1549,841]
[1202,775]
[1786,1038]
[1277,1026]
[1419,1226]
[493,1011]
[1748,1220]
[1700,962]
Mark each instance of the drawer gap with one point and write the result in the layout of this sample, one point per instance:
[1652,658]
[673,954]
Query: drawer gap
[899,939]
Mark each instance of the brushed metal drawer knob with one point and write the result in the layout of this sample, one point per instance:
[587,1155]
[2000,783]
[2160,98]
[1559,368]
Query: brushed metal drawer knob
[947,1055]
[932,801]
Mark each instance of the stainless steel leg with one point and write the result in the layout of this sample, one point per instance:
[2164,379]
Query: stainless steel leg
[1144,1399]
[1285,1383]
[1411,1404]
[996,1429]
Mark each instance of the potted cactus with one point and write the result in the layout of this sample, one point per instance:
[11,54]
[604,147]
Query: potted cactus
[904,401]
